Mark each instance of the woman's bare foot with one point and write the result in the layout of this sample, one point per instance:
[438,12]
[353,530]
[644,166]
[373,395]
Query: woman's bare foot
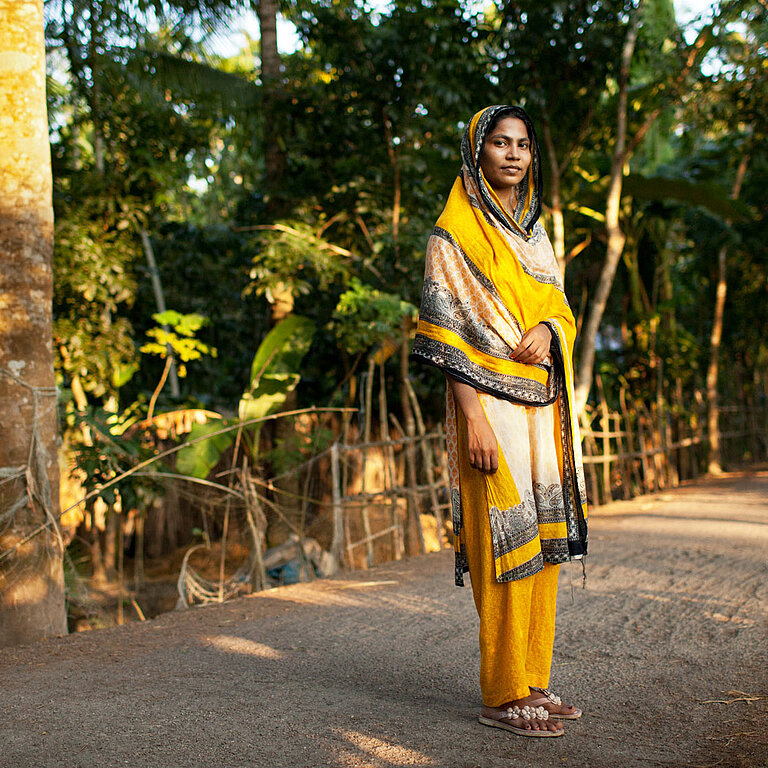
[541,697]
[521,722]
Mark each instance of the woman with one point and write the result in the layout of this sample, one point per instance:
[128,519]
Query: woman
[494,318]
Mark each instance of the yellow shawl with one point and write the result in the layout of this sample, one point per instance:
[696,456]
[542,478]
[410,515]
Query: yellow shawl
[490,276]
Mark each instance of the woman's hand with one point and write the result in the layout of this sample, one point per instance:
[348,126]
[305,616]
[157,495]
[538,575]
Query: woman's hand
[534,346]
[482,445]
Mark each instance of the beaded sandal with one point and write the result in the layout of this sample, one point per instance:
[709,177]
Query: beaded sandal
[550,698]
[527,713]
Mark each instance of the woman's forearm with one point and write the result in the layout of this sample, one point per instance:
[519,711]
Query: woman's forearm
[466,396]
[482,446]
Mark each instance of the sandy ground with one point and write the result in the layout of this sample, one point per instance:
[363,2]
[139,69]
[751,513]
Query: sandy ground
[379,668]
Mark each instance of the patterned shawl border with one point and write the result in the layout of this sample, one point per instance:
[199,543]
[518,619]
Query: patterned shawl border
[540,277]
[577,524]
[533,566]
[454,362]
[465,332]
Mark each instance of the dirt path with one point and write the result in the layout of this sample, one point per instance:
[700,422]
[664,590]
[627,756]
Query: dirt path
[380,668]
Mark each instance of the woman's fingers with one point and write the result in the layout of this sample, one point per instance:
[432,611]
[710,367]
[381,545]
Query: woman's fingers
[485,460]
[534,345]
[482,447]
[490,462]
[532,354]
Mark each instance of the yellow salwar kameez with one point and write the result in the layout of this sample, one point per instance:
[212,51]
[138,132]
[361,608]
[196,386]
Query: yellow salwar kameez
[490,276]
[517,618]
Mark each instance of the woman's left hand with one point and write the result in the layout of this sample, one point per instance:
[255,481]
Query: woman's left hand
[534,346]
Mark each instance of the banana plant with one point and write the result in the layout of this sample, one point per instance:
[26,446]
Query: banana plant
[274,374]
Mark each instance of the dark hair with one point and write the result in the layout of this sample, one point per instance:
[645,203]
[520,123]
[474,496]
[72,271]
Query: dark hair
[509,112]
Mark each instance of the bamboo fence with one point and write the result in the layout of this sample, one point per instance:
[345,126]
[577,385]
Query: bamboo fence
[642,448]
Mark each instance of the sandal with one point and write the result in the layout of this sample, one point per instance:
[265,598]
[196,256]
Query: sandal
[526,713]
[550,698]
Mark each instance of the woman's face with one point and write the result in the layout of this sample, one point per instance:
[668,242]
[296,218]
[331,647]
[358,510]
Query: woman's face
[506,155]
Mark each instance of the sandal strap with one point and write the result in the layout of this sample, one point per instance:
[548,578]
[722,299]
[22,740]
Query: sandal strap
[527,713]
[550,696]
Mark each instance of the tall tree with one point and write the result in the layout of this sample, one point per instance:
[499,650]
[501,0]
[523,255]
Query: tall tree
[554,58]
[660,84]
[31,574]
[714,465]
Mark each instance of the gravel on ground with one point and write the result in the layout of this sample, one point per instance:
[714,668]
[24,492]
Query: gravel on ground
[665,649]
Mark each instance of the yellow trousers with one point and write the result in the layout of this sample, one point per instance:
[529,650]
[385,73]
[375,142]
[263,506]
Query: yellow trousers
[517,618]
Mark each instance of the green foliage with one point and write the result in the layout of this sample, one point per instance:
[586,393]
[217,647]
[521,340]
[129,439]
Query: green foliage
[93,287]
[291,255]
[198,458]
[707,195]
[109,451]
[274,374]
[180,342]
[292,450]
[366,317]
[368,116]
[275,371]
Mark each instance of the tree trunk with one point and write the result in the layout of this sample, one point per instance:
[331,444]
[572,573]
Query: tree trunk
[94,93]
[274,155]
[714,459]
[616,237]
[558,226]
[31,572]
[157,288]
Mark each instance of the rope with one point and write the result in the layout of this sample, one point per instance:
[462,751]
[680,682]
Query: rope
[195,589]
[37,487]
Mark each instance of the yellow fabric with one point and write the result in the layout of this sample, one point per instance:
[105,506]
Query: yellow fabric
[488,281]
[524,296]
[517,618]
[489,362]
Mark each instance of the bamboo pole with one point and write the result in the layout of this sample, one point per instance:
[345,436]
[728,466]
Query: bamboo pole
[257,526]
[642,443]
[120,569]
[683,456]
[634,467]
[390,478]
[626,482]
[338,534]
[157,288]
[590,450]
[427,458]
[605,425]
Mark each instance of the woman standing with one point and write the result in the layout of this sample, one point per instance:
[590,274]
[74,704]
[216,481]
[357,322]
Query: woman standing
[494,318]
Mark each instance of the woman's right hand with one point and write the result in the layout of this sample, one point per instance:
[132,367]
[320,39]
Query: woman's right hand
[481,439]
[482,444]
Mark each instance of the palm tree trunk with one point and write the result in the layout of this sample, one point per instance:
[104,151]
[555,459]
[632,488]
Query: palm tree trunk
[31,571]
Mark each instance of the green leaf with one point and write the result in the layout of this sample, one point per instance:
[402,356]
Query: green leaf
[198,459]
[186,325]
[121,373]
[283,349]
[276,367]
